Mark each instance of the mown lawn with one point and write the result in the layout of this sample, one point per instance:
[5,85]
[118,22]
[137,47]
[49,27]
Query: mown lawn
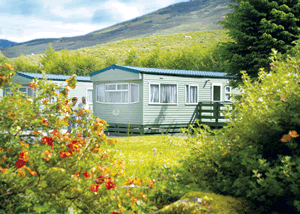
[142,153]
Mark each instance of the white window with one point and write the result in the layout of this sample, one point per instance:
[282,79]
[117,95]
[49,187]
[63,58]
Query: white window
[163,94]
[191,94]
[100,93]
[134,93]
[7,92]
[25,90]
[227,93]
[117,93]
[89,96]
[216,92]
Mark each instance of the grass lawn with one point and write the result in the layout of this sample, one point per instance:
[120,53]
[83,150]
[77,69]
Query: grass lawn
[142,153]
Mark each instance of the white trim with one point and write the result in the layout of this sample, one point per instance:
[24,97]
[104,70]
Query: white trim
[228,93]
[86,92]
[212,91]
[138,92]
[159,103]
[189,85]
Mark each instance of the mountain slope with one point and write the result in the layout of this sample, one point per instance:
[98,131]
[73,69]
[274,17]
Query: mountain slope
[6,43]
[197,15]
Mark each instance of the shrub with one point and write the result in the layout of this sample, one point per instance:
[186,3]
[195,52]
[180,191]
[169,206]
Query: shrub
[42,169]
[257,155]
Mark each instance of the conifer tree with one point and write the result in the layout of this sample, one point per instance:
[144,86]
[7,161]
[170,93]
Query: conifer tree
[257,26]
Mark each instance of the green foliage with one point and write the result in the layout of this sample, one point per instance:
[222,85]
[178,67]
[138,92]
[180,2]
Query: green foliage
[2,58]
[255,156]
[186,58]
[256,27]
[168,51]
[68,63]
[44,170]
[23,64]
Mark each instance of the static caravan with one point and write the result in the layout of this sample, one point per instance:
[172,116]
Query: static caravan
[84,87]
[148,97]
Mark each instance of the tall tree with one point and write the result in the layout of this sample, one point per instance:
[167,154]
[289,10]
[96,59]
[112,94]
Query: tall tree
[257,26]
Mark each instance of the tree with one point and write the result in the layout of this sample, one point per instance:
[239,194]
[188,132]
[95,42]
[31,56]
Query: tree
[257,26]
[67,63]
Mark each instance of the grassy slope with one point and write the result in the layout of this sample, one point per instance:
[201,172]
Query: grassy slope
[120,49]
[197,15]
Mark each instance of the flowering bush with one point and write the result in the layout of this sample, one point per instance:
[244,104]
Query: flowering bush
[41,165]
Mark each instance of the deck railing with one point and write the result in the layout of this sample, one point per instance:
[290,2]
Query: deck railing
[212,113]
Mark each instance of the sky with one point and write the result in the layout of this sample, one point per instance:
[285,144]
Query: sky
[25,20]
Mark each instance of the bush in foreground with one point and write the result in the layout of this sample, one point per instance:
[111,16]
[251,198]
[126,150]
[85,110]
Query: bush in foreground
[257,156]
[43,170]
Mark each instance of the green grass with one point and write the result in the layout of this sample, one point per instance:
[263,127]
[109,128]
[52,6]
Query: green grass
[138,155]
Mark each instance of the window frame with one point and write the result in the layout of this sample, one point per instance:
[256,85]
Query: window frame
[212,91]
[230,100]
[116,91]
[87,89]
[97,93]
[26,87]
[189,85]
[138,92]
[159,103]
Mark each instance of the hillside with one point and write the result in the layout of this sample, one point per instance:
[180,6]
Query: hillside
[120,49]
[6,43]
[197,15]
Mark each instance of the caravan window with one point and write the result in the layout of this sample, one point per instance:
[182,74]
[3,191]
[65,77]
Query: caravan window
[191,94]
[163,93]
[116,93]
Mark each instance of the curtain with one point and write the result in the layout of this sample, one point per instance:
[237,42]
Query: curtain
[116,97]
[187,97]
[154,93]
[168,93]
[193,90]
[100,93]
[134,93]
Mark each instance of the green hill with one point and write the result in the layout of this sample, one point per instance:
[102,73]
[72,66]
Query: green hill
[197,15]
[120,50]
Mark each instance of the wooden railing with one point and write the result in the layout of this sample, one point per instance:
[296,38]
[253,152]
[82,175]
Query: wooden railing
[215,110]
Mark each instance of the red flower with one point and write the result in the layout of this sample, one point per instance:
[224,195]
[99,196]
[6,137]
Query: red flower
[86,174]
[75,146]
[100,180]
[110,185]
[48,140]
[78,174]
[64,154]
[66,102]
[19,164]
[94,187]
[115,213]
[23,159]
